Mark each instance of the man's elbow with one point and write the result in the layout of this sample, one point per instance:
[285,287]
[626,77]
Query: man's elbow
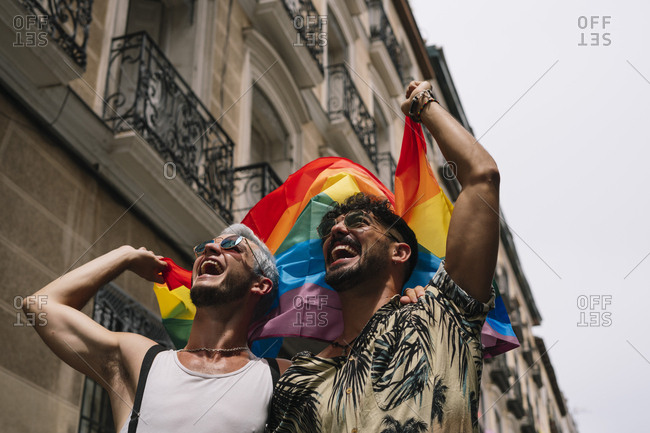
[32,303]
[26,304]
[488,175]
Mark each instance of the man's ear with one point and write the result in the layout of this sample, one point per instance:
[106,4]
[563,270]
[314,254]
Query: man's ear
[401,253]
[263,286]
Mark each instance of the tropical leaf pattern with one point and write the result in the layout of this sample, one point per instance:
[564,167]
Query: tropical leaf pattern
[438,402]
[413,368]
[391,425]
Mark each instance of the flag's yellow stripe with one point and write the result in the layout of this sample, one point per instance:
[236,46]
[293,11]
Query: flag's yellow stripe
[337,184]
[430,222]
[174,304]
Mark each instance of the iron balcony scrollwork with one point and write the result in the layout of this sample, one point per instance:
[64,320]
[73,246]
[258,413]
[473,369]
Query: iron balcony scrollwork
[309,26]
[380,29]
[145,93]
[250,184]
[345,101]
[515,401]
[67,23]
[117,311]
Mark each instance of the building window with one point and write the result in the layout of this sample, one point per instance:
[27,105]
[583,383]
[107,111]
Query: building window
[117,311]
[269,138]
[386,164]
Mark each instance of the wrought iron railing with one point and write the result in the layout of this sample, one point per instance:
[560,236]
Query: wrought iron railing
[386,165]
[500,372]
[117,311]
[380,29]
[309,26]
[250,184]
[345,101]
[67,23]
[515,402]
[528,423]
[145,93]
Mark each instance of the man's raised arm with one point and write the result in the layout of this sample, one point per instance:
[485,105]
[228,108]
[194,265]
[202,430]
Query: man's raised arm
[77,339]
[473,239]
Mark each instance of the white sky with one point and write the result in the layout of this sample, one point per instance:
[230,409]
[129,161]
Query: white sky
[573,155]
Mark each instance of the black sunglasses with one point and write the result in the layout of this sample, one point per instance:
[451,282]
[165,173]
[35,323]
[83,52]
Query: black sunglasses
[352,220]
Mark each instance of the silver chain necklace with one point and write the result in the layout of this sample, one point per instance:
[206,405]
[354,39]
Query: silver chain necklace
[207,349]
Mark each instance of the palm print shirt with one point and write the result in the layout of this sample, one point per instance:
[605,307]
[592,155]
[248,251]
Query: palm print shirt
[413,368]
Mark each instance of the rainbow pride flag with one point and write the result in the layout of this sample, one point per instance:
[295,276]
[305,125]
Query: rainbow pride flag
[286,220]
[176,307]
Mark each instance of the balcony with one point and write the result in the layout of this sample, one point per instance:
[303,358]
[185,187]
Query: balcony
[527,354]
[67,24]
[44,40]
[250,184]
[145,95]
[515,402]
[500,372]
[297,31]
[386,166]
[350,116]
[385,49]
[537,376]
[528,424]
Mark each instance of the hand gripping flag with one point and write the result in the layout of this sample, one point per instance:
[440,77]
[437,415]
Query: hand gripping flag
[286,220]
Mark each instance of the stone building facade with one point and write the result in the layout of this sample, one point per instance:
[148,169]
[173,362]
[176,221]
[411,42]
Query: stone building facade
[157,123]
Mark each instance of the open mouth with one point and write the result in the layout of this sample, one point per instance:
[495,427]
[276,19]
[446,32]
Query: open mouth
[210,267]
[342,251]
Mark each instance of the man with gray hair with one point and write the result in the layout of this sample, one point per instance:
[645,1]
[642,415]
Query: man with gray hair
[213,384]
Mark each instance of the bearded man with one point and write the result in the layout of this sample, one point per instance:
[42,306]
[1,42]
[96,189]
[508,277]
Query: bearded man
[397,368]
[213,384]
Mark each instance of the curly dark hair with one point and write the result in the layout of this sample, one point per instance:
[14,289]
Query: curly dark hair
[382,210]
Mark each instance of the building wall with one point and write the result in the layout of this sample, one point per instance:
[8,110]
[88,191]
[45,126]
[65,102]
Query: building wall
[67,180]
[55,215]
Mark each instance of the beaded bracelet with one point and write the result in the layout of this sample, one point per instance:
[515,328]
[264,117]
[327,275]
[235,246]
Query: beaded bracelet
[430,98]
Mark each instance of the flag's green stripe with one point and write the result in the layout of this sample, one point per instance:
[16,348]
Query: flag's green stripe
[178,330]
[305,227]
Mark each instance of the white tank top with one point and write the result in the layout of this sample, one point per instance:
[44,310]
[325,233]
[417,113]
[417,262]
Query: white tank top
[177,399]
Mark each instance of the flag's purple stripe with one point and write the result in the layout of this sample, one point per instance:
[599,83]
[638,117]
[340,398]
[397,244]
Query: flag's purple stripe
[496,343]
[309,311]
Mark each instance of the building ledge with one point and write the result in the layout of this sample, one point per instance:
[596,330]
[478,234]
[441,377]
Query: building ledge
[382,62]
[125,162]
[24,59]
[274,23]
